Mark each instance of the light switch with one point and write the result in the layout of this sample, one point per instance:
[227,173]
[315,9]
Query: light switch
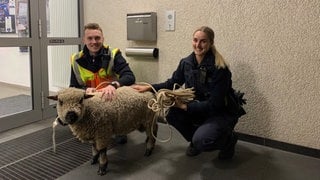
[170,20]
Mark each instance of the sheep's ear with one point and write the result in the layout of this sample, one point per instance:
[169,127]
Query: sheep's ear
[53,97]
[86,96]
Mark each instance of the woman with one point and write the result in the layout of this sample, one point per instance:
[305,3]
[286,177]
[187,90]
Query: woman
[204,122]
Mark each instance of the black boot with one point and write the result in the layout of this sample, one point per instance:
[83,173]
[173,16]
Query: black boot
[121,139]
[192,151]
[228,150]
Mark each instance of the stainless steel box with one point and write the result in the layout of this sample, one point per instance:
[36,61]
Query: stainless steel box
[142,26]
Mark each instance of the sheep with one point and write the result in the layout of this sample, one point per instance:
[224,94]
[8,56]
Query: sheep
[95,120]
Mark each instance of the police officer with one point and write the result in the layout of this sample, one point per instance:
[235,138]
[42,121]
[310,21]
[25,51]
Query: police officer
[205,122]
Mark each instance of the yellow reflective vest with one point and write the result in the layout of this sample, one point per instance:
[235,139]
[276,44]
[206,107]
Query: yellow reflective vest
[88,78]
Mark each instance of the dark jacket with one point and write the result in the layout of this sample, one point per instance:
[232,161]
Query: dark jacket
[211,84]
[120,66]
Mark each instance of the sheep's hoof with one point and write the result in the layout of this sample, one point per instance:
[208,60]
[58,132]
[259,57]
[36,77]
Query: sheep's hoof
[102,170]
[148,152]
[95,159]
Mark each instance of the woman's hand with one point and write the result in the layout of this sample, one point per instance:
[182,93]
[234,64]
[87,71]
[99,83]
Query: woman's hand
[180,105]
[141,88]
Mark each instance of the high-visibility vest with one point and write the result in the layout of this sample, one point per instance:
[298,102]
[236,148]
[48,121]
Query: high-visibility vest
[88,78]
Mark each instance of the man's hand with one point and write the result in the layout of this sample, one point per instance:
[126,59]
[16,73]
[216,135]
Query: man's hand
[90,90]
[108,92]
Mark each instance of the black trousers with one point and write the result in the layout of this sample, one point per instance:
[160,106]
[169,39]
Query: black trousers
[207,133]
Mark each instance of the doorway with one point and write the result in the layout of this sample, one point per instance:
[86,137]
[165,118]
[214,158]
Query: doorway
[37,39]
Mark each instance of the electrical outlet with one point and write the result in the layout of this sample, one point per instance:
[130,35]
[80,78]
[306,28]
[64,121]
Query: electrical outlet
[170,20]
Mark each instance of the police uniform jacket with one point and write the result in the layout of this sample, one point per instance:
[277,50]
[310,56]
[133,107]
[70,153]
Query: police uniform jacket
[211,84]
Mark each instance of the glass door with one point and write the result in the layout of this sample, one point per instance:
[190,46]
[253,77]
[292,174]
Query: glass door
[60,39]
[37,38]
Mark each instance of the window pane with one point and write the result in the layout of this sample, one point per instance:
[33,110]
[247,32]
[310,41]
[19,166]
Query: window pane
[15,83]
[14,19]
[62,18]
[59,67]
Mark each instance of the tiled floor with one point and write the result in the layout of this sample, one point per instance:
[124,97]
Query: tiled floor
[169,162]
[8,90]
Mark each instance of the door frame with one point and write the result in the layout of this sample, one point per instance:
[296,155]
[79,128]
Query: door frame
[38,43]
[49,110]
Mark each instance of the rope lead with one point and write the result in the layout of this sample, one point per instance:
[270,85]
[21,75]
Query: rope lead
[166,98]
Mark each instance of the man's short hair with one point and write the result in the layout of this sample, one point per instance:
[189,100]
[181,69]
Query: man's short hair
[92,26]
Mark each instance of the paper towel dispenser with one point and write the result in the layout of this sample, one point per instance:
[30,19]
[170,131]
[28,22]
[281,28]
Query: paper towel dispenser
[142,51]
[142,26]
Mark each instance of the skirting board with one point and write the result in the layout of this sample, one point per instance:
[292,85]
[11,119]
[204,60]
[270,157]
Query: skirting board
[280,145]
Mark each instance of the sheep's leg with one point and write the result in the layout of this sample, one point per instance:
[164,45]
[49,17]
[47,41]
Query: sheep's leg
[103,162]
[150,139]
[95,154]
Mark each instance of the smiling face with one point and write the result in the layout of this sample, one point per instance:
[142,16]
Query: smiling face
[93,39]
[202,42]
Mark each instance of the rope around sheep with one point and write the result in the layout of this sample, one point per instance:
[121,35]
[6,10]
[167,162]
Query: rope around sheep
[166,98]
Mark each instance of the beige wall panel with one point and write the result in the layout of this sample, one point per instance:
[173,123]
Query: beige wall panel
[273,47]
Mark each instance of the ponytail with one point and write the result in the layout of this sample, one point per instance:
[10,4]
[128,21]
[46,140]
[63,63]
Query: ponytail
[220,62]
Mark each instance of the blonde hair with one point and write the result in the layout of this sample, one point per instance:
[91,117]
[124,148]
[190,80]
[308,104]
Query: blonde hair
[220,62]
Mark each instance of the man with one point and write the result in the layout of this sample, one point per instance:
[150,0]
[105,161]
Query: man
[99,68]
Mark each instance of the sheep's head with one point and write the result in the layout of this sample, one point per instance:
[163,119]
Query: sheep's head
[70,105]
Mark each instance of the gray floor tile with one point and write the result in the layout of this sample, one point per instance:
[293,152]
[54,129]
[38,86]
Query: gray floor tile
[169,162]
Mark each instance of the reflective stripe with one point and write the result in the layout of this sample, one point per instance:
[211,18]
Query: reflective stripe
[88,78]
[76,68]
[111,63]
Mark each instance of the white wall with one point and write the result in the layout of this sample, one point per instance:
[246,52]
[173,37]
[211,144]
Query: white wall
[273,48]
[15,66]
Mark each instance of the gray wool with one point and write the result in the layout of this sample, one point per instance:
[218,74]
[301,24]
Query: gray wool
[98,120]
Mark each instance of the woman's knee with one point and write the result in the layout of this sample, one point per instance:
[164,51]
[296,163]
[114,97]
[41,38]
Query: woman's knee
[209,140]
[204,143]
